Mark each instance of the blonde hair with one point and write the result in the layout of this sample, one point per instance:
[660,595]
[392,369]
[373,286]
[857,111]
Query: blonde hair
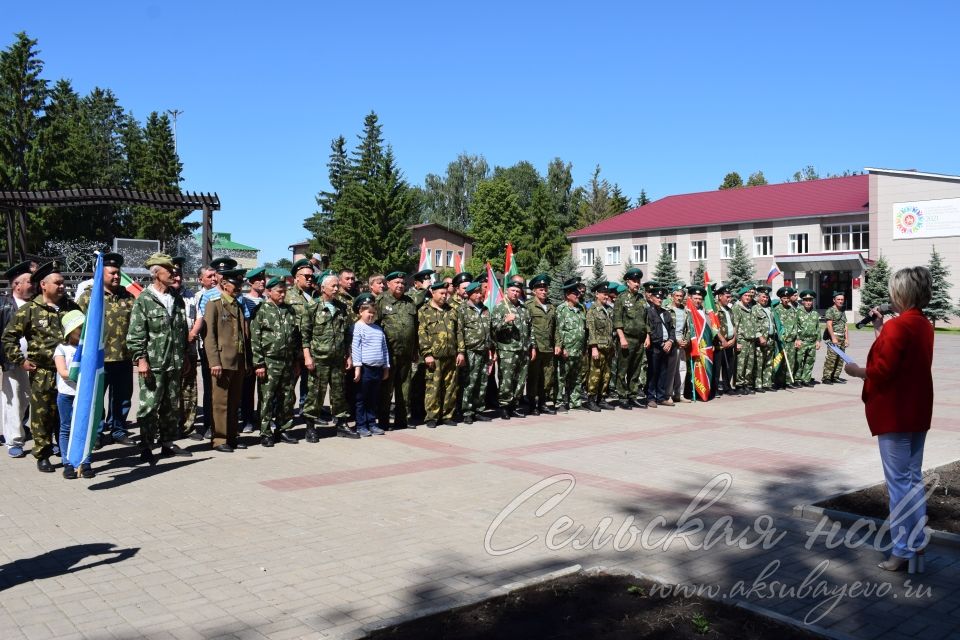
[911,288]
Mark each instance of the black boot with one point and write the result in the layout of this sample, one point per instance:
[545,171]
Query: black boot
[603,404]
[312,434]
[591,405]
[346,431]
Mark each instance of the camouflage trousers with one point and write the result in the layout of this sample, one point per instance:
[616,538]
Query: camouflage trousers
[540,381]
[631,375]
[187,407]
[832,366]
[327,374]
[440,395]
[396,388]
[570,377]
[157,414]
[511,375]
[598,376]
[806,356]
[614,370]
[763,369]
[746,362]
[44,419]
[787,371]
[474,381]
[276,396]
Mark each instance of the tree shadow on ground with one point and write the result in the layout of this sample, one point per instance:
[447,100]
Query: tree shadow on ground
[60,562]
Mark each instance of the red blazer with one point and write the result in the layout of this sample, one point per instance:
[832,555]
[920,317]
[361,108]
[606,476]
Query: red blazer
[898,391]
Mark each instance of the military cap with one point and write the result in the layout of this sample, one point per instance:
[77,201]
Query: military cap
[540,280]
[808,294]
[112,260]
[395,275]
[744,290]
[677,286]
[481,278]
[328,272]
[233,275]
[650,285]
[159,259]
[722,289]
[225,263]
[43,271]
[17,270]
[838,293]
[178,262]
[660,292]
[633,274]
[259,272]
[438,285]
[572,283]
[473,286]
[423,274]
[363,298]
[763,289]
[602,286]
[696,290]
[515,284]
[274,281]
[460,278]
[302,263]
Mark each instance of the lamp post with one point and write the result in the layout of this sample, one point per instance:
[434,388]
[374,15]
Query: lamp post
[173,114]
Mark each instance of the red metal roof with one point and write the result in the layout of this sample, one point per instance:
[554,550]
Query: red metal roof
[829,196]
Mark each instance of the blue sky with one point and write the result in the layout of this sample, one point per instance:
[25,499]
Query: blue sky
[668,97]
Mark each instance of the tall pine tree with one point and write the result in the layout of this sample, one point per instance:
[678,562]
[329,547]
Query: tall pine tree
[940,307]
[875,287]
[741,269]
[320,224]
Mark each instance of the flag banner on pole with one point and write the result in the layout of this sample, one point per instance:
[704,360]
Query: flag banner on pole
[709,305]
[509,266]
[701,351]
[87,371]
[494,294]
[457,263]
[774,272]
[778,354]
[425,262]
[127,283]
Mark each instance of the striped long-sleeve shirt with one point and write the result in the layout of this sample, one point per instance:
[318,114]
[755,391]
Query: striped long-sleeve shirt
[369,346]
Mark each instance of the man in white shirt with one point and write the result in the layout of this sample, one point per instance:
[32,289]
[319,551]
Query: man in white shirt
[14,381]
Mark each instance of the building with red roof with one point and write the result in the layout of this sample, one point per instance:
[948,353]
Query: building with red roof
[820,234]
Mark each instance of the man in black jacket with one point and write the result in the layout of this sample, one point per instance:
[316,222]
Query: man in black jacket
[662,340]
[14,381]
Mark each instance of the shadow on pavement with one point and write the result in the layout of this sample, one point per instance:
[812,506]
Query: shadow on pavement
[60,562]
[141,472]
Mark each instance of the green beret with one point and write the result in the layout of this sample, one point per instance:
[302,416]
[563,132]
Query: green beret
[395,275]
[463,276]
[158,259]
[838,293]
[302,263]
[602,286]
[808,294]
[696,290]
[112,260]
[17,270]
[515,285]
[259,272]
[677,286]
[744,290]
[225,263]
[423,274]
[571,285]
[540,280]
[633,274]
[438,285]
[274,281]
[363,298]
[473,286]
[621,288]
[763,289]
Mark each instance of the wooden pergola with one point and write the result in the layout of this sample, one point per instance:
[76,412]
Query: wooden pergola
[15,204]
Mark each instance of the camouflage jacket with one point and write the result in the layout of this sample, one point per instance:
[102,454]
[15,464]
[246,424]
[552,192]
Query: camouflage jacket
[808,325]
[398,319]
[599,327]
[347,301]
[571,333]
[839,322]
[515,335]
[788,321]
[473,327]
[725,318]
[155,335]
[116,321]
[39,323]
[630,314]
[419,296]
[762,318]
[298,303]
[274,334]
[543,324]
[742,321]
[439,336]
[325,329]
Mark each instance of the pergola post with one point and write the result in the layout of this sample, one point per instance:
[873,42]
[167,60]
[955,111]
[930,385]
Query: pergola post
[9,215]
[207,252]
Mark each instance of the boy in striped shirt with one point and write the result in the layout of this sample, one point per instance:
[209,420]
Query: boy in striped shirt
[371,364]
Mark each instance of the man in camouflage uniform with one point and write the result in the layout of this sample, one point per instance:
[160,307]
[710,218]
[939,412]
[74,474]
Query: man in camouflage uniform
[725,345]
[157,339]
[274,345]
[117,366]
[418,380]
[326,338]
[397,315]
[764,335]
[599,349]
[743,328]
[837,333]
[348,284]
[543,319]
[441,352]
[475,342]
[630,324]
[38,322]
[511,333]
[300,298]
[570,340]
[808,333]
[421,287]
[187,407]
[788,330]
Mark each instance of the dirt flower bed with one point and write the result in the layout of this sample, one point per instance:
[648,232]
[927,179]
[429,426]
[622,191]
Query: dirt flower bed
[943,504]
[584,607]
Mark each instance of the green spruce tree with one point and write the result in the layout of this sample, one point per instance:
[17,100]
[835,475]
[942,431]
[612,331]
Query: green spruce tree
[567,269]
[665,271]
[597,276]
[320,224]
[741,269]
[940,307]
[495,214]
[698,275]
[643,200]
[875,287]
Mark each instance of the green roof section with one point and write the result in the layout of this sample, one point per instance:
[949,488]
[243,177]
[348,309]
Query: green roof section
[222,240]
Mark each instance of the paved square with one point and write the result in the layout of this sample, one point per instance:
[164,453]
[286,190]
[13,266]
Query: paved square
[328,539]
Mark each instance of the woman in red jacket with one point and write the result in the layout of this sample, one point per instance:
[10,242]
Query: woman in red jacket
[898,397]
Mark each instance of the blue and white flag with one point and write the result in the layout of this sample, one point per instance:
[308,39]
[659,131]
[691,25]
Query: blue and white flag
[87,371]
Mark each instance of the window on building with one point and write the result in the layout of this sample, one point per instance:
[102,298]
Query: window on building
[613,255]
[762,246]
[799,243]
[671,248]
[449,258]
[639,254]
[437,258]
[727,247]
[586,257]
[846,237]
[698,250]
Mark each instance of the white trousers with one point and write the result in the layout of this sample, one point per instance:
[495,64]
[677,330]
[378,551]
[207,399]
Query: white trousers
[14,402]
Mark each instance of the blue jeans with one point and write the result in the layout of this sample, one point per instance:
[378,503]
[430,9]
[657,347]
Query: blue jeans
[368,396]
[118,383]
[902,457]
[65,408]
[657,362]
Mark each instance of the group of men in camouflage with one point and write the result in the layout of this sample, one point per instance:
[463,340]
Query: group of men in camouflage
[622,349]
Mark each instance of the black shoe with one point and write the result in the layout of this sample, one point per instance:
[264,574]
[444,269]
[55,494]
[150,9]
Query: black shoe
[639,402]
[196,435]
[467,419]
[603,404]
[223,448]
[87,472]
[548,410]
[402,425]
[626,404]
[517,413]
[312,435]
[449,423]
[125,440]
[102,441]
[582,407]
[535,411]
[431,424]
[239,445]
[841,380]
[346,431]
[208,435]
[146,455]
[563,406]
[827,381]
[809,383]
[170,449]
[69,472]
[283,436]
[591,406]
[43,464]
[266,441]
[504,413]
[482,418]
